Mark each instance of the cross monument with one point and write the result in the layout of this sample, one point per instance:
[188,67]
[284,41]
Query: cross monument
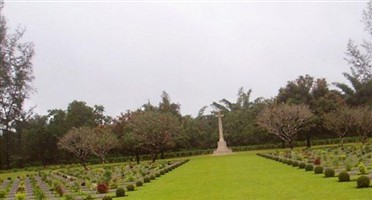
[221,144]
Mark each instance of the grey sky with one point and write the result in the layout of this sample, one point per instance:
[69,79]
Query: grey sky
[121,54]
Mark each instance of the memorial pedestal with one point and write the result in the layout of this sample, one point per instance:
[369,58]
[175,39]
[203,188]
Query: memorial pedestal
[222,148]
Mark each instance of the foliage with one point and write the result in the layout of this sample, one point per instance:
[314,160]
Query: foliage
[107,198]
[302,165]
[146,179]
[309,167]
[89,197]
[362,168]
[2,194]
[154,130]
[120,192]
[317,161]
[75,142]
[363,181]
[329,172]
[130,187]
[102,188]
[318,169]
[101,141]
[285,121]
[340,122]
[343,176]
[20,196]
[139,183]
[58,188]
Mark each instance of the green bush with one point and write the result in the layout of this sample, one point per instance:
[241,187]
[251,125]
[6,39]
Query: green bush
[363,182]
[130,187]
[344,177]
[107,198]
[318,169]
[295,164]
[120,192]
[152,177]
[2,194]
[146,179]
[301,165]
[362,168]
[139,183]
[289,162]
[89,197]
[68,197]
[309,167]
[329,172]
[20,196]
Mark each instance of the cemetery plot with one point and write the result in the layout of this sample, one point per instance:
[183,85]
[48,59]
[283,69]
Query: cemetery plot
[78,183]
[348,163]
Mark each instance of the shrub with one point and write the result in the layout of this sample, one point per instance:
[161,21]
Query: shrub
[20,189]
[107,198]
[59,190]
[363,181]
[317,161]
[20,196]
[120,192]
[68,197]
[309,167]
[157,174]
[102,188]
[362,168]
[152,177]
[146,179]
[329,172]
[289,162]
[139,183]
[89,197]
[318,169]
[344,177]
[130,187]
[113,186]
[2,194]
[301,165]
[294,163]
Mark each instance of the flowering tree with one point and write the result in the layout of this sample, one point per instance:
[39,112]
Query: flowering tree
[101,141]
[340,122]
[285,121]
[154,130]
[75,141]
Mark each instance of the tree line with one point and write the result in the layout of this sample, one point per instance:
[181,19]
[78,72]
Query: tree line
[304,109]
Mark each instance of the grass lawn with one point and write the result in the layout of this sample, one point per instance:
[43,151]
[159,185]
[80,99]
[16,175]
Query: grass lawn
[245,176]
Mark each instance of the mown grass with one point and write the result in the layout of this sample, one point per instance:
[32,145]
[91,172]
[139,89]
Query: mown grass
[245,176]
[240,176]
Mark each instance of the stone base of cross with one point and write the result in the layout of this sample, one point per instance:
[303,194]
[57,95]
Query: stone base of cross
[222,148]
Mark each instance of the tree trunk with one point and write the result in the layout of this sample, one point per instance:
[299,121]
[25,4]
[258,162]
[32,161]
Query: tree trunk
[162,154]
[308,140]
[137,158]
[102,159]
[84,164]
[283,144]
[7,156]
[341,142]
[154,156]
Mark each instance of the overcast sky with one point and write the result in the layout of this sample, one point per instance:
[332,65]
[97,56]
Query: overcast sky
[122,54]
